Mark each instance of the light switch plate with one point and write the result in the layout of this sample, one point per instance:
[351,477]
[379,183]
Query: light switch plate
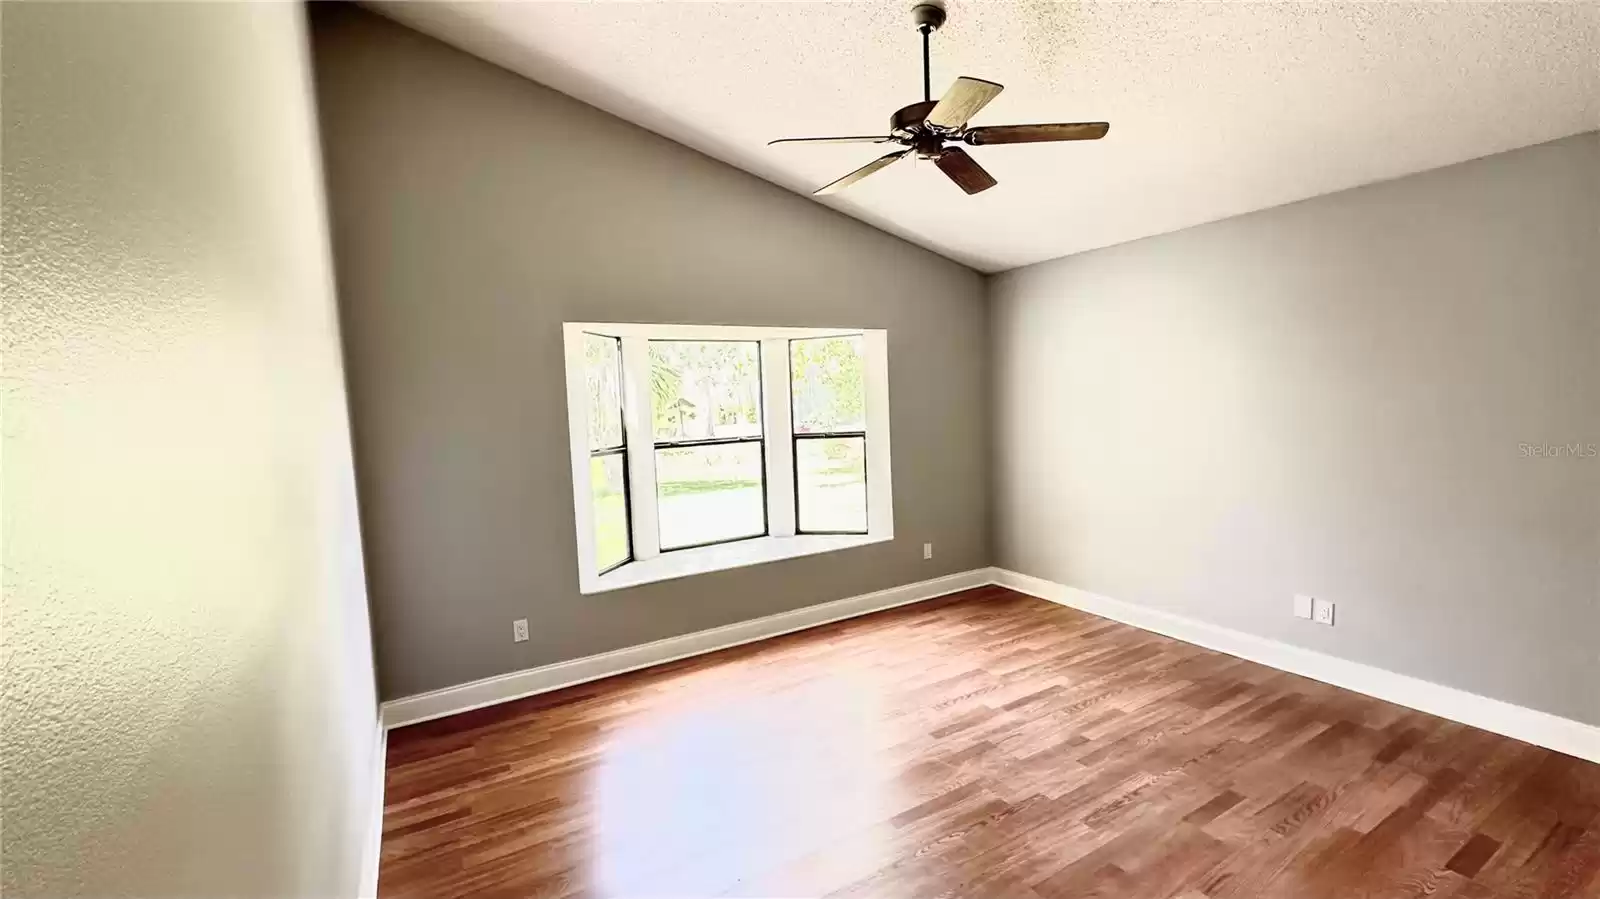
[1302,606]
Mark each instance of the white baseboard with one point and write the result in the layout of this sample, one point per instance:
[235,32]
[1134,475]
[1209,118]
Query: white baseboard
[372,842]
[506,687]
[1531,726]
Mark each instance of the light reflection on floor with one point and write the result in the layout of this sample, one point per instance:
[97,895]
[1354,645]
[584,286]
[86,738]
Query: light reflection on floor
[748,784]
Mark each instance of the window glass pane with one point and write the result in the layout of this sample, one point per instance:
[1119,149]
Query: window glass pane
[829,382]
[610,510]
[602,358]
[705,389]
[707,494]
[831,474]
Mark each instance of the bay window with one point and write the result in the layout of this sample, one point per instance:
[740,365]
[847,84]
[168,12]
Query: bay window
[697,448]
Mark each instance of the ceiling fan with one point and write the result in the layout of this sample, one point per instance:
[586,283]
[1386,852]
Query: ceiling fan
[925,128]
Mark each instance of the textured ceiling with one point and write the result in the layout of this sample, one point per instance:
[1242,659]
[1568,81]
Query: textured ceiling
[1215,108]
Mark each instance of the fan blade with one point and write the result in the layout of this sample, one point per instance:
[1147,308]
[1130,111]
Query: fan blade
[961,102]
[1028,134]
[964,170]
[830,140]
[858,174]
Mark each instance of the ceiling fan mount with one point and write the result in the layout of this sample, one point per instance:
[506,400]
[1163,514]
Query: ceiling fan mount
[926,128]
[927,16]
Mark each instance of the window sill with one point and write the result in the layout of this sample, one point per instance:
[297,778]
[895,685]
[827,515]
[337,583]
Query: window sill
[706,559]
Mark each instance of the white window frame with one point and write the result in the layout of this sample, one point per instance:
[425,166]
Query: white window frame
[648,563]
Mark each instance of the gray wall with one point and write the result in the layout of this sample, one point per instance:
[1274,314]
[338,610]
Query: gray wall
[189,705]
[1329,398]
[474,211]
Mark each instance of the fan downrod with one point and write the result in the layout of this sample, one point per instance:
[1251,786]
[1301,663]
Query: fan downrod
[927,16]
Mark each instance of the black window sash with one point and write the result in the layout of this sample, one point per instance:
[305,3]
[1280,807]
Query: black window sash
[761,409]
[619,449]
[865,474]
[627,501]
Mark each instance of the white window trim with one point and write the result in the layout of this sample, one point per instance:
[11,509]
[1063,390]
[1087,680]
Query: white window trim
[649,563]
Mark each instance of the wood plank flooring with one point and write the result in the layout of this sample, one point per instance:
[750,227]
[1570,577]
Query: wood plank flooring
[987,744]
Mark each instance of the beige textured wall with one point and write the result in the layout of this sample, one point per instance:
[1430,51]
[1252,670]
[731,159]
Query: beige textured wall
[189,705]
[1331,398]
[474,212]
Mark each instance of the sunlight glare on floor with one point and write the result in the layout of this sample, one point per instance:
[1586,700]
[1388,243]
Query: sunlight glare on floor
[694,795]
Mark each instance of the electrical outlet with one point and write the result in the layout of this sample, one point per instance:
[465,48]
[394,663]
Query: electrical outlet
[927,550]
[1302,606]
[1322,611]
[519,630]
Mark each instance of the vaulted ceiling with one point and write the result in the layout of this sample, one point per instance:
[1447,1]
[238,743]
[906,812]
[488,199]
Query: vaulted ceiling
[1215,108]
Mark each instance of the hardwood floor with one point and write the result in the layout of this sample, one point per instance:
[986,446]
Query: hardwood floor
[987,744]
